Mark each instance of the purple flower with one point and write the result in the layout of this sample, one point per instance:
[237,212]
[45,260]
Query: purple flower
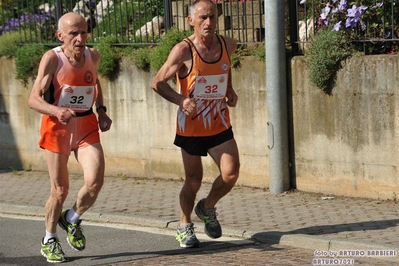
[24,18]
[362,9]
[351,23]
[324,12]
[352,11]
[39,18]
[337,26]
[378,5]
[362,25]
[342,5]
[353,16]
[13,22]
[50,15]
[319,21]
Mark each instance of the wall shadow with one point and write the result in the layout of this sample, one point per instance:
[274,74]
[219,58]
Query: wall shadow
[274,237]
[290,125]
[11,159]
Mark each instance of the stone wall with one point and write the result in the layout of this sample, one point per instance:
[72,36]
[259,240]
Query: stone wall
[343,144]
[348,143]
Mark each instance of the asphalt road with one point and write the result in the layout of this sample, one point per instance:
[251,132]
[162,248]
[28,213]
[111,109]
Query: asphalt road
[112,244]
[106,244]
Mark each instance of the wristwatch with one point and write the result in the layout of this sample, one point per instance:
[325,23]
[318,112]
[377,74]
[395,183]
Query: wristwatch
[101,107]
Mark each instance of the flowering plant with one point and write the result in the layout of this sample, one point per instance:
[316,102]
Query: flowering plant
[35,17]
[369,21]
[343,28]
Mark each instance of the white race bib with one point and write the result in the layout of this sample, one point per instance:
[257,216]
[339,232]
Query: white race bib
[210,87]
[78,98]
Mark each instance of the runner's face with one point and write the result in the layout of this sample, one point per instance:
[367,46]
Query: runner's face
[204,18]
[74,35]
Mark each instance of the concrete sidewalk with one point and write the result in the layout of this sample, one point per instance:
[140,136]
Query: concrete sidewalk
[298,219]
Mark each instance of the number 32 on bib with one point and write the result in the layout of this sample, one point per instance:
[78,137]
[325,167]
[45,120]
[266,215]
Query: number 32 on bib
[211,87]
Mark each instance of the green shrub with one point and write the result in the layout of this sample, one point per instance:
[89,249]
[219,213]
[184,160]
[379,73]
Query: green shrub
[259,51]
[235,58]
[27,61]
[160,53]
[109,56]
[139,56]
[9,44]
[327,51]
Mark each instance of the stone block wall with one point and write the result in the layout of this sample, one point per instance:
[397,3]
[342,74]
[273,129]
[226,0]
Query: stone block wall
[346,143]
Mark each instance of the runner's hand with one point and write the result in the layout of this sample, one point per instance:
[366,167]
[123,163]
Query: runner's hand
[104,122]
[231,96]
[65,115]
[188,106]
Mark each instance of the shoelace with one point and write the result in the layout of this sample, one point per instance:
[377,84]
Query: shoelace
[212,217]
[190,230]
[56,248]
[77,231]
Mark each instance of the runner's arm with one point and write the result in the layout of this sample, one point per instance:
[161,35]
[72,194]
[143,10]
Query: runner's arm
[179,54]
[103,119]
[48,65]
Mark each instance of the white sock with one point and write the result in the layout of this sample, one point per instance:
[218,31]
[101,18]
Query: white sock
[49,235]
[72,217]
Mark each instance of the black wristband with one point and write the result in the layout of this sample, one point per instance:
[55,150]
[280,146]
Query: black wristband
[101,107]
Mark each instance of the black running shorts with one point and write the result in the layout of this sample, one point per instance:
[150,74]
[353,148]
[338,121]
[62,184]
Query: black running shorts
[200,145]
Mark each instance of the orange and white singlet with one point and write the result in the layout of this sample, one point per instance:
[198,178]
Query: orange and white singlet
[74,88]
[207,84]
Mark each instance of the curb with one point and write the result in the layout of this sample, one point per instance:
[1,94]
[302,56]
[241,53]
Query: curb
[316,243]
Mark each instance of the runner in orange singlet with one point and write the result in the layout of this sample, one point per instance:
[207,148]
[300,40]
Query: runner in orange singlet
[201,64]
[65,90]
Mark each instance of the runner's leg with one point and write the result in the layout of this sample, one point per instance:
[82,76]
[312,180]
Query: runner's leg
[226,157]
[91,158]
[58,171]
[192,183]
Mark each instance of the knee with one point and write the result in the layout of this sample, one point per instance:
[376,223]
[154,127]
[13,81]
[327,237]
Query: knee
[231,179]
[193,184]
[232,173]
[59,193]
[95,188]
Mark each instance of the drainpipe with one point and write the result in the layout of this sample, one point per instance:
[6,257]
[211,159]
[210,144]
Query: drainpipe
[276,85]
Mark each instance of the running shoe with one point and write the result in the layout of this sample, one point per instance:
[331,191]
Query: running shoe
[75,236]
[212,227]
[186,237]
[52,251]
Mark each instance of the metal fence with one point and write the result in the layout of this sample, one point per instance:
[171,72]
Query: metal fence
[143,22]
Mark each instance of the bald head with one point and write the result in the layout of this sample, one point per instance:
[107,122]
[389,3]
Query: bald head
[70,19]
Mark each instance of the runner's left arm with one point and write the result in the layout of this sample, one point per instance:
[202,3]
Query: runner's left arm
[103,119]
